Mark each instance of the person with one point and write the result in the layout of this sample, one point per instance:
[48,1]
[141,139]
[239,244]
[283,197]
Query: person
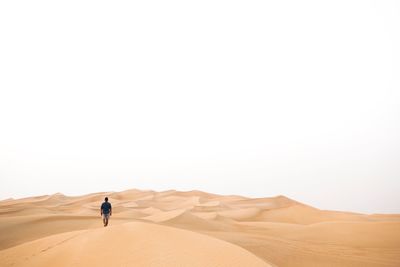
[106,211]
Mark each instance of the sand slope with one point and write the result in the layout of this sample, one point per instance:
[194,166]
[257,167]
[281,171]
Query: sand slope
[129,244]
[193,228]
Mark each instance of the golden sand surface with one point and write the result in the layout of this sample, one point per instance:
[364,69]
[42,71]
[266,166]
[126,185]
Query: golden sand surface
[194,228]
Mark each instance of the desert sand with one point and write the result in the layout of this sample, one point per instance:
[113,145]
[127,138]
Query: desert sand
[193,228]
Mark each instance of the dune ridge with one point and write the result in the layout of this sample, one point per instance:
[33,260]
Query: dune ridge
[171,228]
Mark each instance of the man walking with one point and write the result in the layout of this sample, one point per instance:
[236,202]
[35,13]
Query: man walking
[106,211]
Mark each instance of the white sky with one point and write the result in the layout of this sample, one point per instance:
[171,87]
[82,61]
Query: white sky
[257,98]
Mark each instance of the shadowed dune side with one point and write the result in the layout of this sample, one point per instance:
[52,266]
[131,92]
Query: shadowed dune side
[129,245]
[241,214]
[187,220]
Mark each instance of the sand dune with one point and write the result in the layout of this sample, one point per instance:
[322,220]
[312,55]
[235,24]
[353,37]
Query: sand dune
[129,244]
[303,214]
[241,214]
[193,228]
